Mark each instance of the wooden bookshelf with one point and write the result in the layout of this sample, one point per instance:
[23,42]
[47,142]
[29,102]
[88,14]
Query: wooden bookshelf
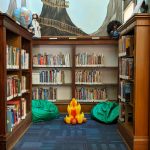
[18,37]
[104,45]
[135,131]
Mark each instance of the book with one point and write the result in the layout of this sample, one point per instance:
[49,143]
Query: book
[23,84]
[24,59]
[24,108]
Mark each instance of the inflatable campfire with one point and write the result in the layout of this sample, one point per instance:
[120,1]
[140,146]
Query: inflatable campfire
[74,115]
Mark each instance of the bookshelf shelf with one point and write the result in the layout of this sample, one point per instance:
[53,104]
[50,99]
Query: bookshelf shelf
[122,99]
[91,101]
[14,97]
[51,66]
[82,101]
[25,91]
[13,67]
[98,66]
[89,83]
[94,67]
[103,56]
[96,84]
[134,81]
[124,54]
[15,52]
[25,70]
[54,100]
[52,84]
[13,70]
[125,77]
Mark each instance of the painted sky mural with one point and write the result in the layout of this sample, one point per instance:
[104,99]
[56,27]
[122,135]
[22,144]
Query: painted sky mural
[87,15]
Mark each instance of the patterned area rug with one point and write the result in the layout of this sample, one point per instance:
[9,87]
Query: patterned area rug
[56,135]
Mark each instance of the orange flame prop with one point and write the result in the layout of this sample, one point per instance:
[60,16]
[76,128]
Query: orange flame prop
[74,115]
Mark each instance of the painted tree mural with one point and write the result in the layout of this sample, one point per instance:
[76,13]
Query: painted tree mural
[55,21]
[23,3]
[12,6]
[114,12]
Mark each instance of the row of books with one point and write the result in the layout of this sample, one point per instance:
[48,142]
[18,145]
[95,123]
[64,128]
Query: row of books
[12,58]
[90,94]
[44,93]
[126,113]
[51,76]
[126,67]
[126,45]
[125,91]
[13,86]
[16,111]
[52,60]
[88,76]
[83,59]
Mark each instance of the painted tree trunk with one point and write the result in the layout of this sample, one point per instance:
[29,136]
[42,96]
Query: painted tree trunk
[12,6]
[23,3]
[55,21]
[114,12]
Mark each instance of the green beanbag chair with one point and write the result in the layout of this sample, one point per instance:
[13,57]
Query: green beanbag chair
[43,110]
[106,112]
